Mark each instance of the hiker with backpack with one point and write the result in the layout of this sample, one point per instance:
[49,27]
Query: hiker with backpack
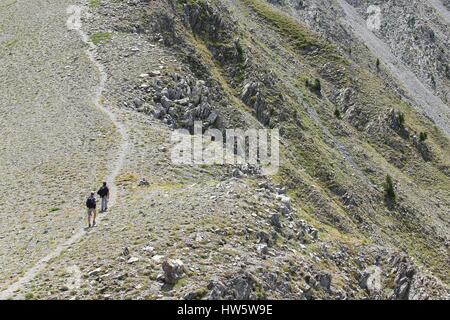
[91,204]
[103,192]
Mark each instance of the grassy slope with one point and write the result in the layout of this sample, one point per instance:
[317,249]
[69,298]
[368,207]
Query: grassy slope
[374,94]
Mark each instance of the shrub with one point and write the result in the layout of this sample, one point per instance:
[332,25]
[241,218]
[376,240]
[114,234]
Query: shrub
[307,83]
[423,136]
[389,190]
[317,86]
[94,3]
[337,113]
[101,37]
[29,296]
[240,51]
[401,118]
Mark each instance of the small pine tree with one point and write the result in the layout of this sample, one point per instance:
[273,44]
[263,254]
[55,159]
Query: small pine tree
[389,190]
[401,118]
[240,51]
[378,64]
[423,136]
[337,113]
[307,83]
[317,86]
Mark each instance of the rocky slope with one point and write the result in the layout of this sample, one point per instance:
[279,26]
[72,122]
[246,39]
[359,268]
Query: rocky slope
[324,227]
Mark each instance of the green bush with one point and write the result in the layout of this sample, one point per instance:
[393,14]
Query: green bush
[94,3]
[29,296]
[315,86]
[101,37]
[401,118]
[337,113]
[423,136]
[389,189]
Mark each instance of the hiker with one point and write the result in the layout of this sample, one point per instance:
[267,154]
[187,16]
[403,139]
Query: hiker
[103,192]
[91,204]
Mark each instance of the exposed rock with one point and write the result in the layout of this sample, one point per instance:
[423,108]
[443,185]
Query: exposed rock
[143,182]
[275,220]
[133,260]
[148,249]
[158,258]
[263,237]
[173,270]
[241,288]
[371,279]
[95,272]
[324,280]
[262,248]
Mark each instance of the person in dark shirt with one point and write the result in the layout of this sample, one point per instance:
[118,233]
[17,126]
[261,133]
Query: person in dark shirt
[103,192]
[91,204]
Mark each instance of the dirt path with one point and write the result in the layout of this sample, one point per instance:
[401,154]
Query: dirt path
[114,168]
[90,52]
[424,99]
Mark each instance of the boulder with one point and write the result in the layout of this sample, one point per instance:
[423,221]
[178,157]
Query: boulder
[95,272]
[166,102]
[173,270]
[275,220]
[263,237]
[212,118]
[262,248]
[159,111]
[324,280]
[143,182]
[371,279]
[241,288]
[133,260]
[157,258]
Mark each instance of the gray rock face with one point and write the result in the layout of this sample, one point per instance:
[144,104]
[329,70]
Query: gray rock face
[371,279]
[262,249]
[241,287]
[253,96]
[182,100]
[263,237]
[423,148]
[417,39]
[275,220]
[324,280]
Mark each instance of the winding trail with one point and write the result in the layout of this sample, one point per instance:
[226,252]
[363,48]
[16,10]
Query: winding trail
[120,127]
[424,99]
[10,291]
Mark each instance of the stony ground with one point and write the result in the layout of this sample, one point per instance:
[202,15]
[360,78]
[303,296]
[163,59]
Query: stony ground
[186,231]
[55,145]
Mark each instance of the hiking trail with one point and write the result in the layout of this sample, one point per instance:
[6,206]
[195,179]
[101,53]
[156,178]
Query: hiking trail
[11,290]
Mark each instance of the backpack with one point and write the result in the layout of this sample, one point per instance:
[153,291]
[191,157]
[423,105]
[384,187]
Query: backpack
[103,191]
[90,203]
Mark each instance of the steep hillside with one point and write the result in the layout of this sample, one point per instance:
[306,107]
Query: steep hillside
[360,205]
